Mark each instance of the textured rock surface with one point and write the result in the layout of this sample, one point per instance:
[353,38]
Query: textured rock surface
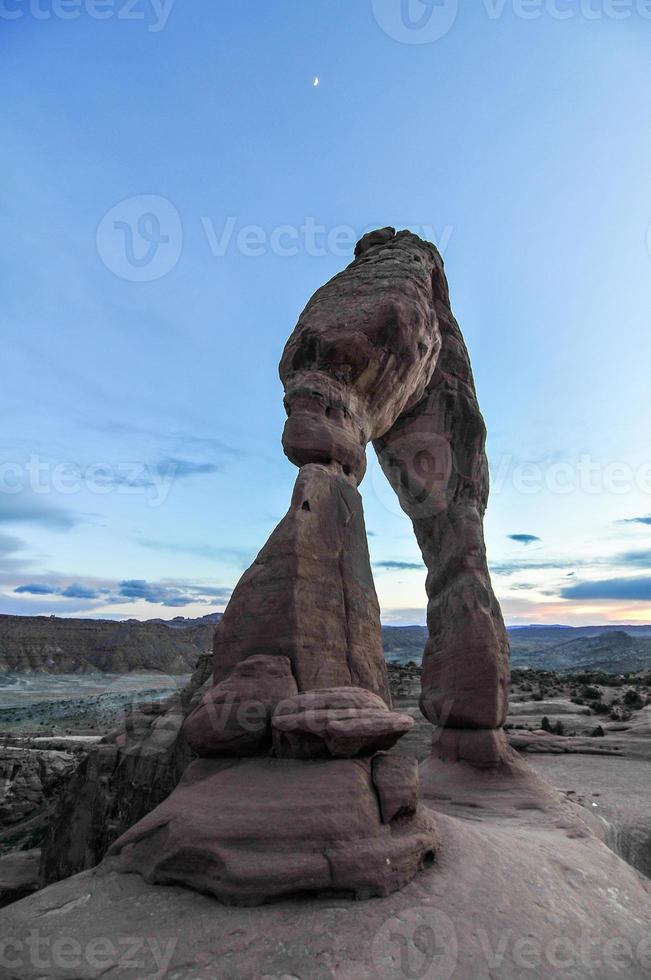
[118,783]
[395,778]
[521,888]
[263,828]
[31,784]
[28,778]
[341,722]
[482,747]
[378,355]
[363,350]
[434,457]
[18,875]
[234,716]
[309,595]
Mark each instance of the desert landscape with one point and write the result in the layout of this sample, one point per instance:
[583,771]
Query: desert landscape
[585,727]
[325,482]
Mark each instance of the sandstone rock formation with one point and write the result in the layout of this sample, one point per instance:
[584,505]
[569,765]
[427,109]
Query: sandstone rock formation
[119,781]
[309,594]
[234,717]
[250,830]
[18,875]
[295,818]
[31,780]
[335,723]
[361,358]
[377,355]
[434,457]
[362,353]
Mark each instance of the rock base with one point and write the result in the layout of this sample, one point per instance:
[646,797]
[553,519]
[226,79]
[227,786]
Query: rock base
[484,748]
[249,831]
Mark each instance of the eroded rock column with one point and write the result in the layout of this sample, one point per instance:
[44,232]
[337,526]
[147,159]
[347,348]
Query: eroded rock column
[434,457]
[309,595]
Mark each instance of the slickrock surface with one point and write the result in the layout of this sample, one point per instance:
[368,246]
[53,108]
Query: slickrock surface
[521,888]
[617,791]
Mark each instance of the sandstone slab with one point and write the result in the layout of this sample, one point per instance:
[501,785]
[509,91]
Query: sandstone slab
[514,884]
[335,723]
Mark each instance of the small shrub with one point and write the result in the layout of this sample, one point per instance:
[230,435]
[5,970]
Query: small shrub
[633,700]
[600,708]
[591,693]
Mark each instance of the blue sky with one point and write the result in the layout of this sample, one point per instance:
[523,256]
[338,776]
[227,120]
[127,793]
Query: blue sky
[176,187]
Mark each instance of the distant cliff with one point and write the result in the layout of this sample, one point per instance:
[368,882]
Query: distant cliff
[565,649]
[68,646]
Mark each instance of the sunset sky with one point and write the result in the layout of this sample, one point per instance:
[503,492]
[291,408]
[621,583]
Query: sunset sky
[176,187]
